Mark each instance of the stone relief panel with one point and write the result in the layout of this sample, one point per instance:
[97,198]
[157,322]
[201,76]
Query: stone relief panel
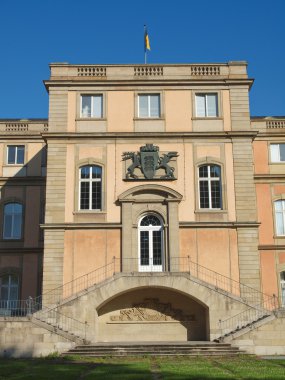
[152,310]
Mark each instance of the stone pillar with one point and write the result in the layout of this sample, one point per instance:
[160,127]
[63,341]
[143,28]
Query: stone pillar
[55,214]
[173,234]
[246,212]
[128,258]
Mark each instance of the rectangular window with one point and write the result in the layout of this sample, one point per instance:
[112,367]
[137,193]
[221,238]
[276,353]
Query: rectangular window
[149,105]
[92,106]
[15,154]
[206,105]
[277,152]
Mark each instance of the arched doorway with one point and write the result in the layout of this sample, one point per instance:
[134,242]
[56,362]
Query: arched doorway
[150,244]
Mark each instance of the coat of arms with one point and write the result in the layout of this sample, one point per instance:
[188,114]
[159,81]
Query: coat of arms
[149,161]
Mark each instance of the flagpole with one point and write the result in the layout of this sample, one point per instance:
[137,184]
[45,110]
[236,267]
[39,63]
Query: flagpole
[144,37]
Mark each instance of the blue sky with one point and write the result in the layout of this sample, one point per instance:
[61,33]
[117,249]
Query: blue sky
[34,33]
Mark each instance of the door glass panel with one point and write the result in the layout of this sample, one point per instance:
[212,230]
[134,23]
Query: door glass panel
[144,247]
[156,248]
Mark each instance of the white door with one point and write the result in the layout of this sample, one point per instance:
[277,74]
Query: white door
[150,244]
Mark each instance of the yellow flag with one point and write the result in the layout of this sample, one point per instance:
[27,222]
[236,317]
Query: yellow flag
[146,41]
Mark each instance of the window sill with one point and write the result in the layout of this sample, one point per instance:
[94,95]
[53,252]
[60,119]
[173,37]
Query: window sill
[207,118]
[3,240]
[91,118]
[148,118]
[87,212]
[210,211]
[14,165]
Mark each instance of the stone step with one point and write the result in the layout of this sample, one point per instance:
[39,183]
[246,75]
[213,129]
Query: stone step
[204,349]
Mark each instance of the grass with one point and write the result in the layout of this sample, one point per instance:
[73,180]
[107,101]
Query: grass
[154,368]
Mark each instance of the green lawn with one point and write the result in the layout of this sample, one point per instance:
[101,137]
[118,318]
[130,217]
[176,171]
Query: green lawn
[155,368]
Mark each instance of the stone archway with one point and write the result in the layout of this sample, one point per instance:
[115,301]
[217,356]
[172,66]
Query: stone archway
[152,314]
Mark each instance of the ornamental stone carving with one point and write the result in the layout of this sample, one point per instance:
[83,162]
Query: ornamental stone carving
[151,310]
[149,163]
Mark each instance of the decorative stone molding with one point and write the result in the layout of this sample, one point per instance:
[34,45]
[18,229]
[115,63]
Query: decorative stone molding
[151,310]
[91,71]
[205,70]
[148,70]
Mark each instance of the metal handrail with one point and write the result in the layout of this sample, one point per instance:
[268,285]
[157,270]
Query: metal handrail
[52,317]
[248,317]
[129,265]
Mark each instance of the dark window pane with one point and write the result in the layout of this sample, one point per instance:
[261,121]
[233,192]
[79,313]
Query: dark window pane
[216,194]
[157,259]
[96,172]
[85,172]
[215,171]
[204,194]
[150,220]
[203,172]
[84,196]
[96,195]
[20,154]
[11,154]
[144,242]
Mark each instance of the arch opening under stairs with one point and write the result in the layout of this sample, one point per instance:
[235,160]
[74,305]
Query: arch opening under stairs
[152,314]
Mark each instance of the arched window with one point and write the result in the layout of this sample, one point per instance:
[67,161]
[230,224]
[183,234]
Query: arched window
[13,215]
[9,290]
[210,192]
[280,217]
[90,185]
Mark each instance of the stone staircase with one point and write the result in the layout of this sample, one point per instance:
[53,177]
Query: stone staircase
[155,349]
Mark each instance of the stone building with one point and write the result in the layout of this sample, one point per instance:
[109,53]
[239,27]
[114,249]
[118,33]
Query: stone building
[149,205]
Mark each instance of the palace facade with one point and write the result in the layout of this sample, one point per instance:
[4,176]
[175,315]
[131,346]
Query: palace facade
[149,206]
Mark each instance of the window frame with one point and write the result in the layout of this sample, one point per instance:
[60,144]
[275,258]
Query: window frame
[209,180]
[16,154]
[93,94]
[9,300]
[12,237]
[149,94]
[283,217]
[218,104]
[279,161]
[90,180]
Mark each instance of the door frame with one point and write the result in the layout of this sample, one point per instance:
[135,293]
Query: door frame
[150,229]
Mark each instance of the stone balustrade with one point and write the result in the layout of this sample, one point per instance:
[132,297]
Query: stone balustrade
[230,70]
[23,126]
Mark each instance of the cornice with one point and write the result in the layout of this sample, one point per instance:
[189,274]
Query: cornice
[219,224]
[271,247]
[138,135]
[67,82]
[268,178]
[22,180]
[85,226]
